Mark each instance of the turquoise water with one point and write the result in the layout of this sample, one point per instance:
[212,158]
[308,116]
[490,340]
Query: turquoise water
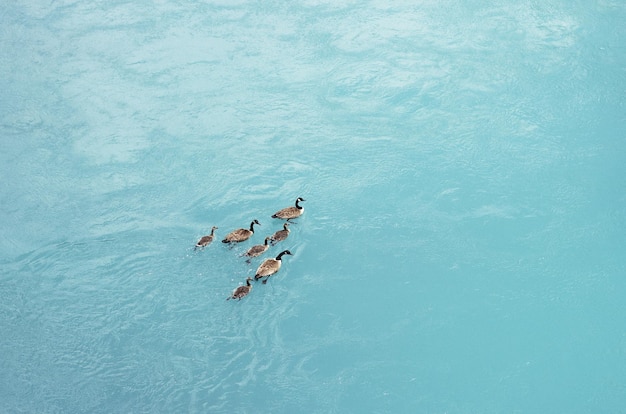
[463,167]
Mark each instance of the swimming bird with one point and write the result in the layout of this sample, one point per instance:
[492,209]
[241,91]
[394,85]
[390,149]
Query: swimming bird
[241,291]
[280,234]
[206,240]
[240,235]
[270,266]
[257,250]
[292,212]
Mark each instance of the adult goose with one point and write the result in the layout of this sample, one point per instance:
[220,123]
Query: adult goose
[292,212]
[280,235]
[270,266]
[257,250]
[206,240]
[240,235]
[241,291]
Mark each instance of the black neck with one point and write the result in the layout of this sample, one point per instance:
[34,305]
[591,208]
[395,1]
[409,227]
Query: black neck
[252,227]
[280,255]
[298,204]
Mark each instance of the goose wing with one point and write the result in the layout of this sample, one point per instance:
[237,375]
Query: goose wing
[268,268]
[287,212]
[204,240]
[241,291]
[256,250]
[237,235]
[280,235]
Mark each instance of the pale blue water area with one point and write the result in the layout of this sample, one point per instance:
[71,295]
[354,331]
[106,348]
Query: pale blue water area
[462,248]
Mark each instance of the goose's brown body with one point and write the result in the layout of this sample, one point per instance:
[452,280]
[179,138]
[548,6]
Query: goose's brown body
[270,266]
[239,235]
[259,249]
[281,234]
[292,212]
[241,291]
[206,240]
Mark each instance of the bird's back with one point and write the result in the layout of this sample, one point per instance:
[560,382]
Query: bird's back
[237,235]
[268,267]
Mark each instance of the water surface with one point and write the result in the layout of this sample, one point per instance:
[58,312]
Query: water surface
[461,250]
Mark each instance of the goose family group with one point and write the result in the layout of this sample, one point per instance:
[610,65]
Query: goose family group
[269,266]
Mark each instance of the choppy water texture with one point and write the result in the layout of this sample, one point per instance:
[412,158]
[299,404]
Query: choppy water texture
[462,246]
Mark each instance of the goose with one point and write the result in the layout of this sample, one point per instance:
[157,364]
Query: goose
[241,291]
[257,250]
[290,212]
[280,234]
[206,240]
[240,235]
[270,266]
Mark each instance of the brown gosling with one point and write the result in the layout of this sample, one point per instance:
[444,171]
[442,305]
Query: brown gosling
[292,212]
[270,266]
[280,235]
[241,291]
[206,240]
[239,235]
[257,250]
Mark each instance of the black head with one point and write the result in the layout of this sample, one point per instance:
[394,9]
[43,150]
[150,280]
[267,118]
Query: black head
[285,226]
[255,221]
[300,199]
[286,252]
